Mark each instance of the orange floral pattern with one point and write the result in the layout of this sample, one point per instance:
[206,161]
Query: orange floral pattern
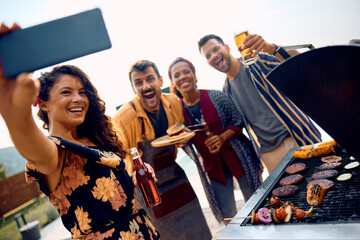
[83,219]
[94,194]
[129,236]
[60,201]
[107,189]
[109,159]
[73,175]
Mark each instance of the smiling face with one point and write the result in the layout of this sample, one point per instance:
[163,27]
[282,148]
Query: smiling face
[183,77]
[68,103]
[217,55]
[147,85]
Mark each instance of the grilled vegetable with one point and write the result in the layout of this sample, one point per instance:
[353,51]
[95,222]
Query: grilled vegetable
[315,194]
[323,150]
[264,215]
[303,154]
[288,211]
[344,177]
[352,165]
[273,214]
[310,211]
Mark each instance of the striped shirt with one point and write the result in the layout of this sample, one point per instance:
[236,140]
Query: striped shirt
[294,120]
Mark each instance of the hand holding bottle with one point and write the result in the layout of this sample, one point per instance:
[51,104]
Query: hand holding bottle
[214,143]
[146,180]
[150,171]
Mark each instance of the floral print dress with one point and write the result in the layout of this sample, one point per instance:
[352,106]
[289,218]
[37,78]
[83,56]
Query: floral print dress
[95,196]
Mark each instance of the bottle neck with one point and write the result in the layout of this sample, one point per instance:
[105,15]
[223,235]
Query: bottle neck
[208,132]
[138,161]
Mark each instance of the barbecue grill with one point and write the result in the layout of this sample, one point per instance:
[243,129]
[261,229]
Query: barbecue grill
[314,87]
[338,216]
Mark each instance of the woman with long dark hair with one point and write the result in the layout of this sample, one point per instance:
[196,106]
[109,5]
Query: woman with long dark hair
[79,166]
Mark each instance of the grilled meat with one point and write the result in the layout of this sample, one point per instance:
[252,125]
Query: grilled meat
[291,179]
[325,174]
[325,183]
[175,129]
[295,168]
[330,165]
[285,191]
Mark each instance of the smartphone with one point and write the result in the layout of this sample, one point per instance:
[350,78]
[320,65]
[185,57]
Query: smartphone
[46,44]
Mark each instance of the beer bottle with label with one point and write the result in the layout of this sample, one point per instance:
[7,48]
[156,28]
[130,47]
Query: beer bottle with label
[146,182]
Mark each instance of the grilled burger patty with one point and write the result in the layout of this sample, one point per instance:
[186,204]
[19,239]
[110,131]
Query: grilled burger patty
[325,183]
[295,168]
[291,179]
[285,191]
[330,165]
[325,174]
[175,129]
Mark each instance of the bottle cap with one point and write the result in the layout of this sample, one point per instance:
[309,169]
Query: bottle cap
[134,151]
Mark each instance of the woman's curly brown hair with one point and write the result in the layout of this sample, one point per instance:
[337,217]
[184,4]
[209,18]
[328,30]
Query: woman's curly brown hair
[97,125]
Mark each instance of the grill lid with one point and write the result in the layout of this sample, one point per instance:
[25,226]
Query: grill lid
[325,84]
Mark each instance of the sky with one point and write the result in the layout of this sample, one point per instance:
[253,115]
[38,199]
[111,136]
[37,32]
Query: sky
[162,30]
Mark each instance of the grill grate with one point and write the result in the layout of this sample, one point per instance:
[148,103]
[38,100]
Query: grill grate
[340,205]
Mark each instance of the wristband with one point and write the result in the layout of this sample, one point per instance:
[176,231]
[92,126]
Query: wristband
[276,48]
[281,51]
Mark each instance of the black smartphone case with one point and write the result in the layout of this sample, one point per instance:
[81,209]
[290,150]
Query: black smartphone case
[43,45]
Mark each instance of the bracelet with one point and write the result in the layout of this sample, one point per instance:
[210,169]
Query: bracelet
[276,48]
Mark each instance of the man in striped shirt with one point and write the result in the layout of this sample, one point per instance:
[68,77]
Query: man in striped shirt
[273,122]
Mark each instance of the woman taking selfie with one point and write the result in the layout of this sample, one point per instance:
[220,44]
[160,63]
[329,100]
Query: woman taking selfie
[79,165]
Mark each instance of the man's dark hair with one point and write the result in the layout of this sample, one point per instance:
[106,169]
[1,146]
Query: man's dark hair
[140,66]
[206,38]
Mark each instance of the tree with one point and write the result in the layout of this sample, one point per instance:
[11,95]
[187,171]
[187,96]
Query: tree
[3,172]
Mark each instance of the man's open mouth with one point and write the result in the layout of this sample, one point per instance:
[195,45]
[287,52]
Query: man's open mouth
[219,62]
[149,94]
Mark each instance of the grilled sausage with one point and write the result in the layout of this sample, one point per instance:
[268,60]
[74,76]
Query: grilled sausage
[315,195]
